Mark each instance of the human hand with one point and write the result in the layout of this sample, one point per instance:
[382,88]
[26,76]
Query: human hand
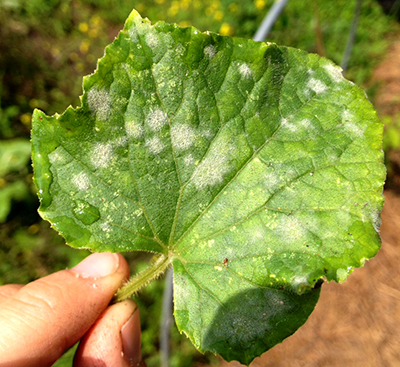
[40,320]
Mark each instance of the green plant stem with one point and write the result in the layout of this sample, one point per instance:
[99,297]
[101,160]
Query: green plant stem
[140,280]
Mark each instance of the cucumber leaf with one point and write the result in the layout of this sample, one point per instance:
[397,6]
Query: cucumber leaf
[255,170]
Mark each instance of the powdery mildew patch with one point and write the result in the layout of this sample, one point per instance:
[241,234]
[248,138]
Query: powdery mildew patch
[335,72]
[56,156]
[210,51]
[81,181]
[183,136]
[245,71]
[105,227]
[156,119]
[350,124]
[288,125]
[316,85]
[211,170]
[155,145]
[306,124]
[102,155]
[272,180]
[289,227]
[120,141]
[189,160]
[152,40]
[133,129]
[99,103]
[299,282]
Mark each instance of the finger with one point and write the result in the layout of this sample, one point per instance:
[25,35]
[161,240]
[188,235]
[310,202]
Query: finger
[114,340]
[53,313]
[9,290]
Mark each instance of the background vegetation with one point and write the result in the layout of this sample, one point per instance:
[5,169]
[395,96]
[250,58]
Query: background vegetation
[46,46]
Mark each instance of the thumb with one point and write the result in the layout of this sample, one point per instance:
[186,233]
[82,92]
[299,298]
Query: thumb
[49,315]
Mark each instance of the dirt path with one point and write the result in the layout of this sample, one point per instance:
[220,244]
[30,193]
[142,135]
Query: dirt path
[387,76]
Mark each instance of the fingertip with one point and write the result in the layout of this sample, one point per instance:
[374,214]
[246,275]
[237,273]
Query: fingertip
[8,290]
[61,307]
[100,264]
[131,338]
[114,339]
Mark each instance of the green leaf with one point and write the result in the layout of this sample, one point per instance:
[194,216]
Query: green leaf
[13,191]
[14,155]
[256,170]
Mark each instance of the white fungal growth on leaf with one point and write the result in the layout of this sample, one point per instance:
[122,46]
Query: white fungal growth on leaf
[183,136]
[335,72]
[347,116]
[306,124]
[155,145]
[157,119]
[316,85]
[245,71]
[213,168]
[272,180]
[57,156]
[152,40]
[102,155]
[81,181]
[350,124]
[133,129]
[189,160]
[105,226]
[120,142]
[210,51]
[99,103]
[299,282]
[354,129]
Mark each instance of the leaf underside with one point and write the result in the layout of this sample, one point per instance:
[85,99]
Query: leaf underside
[256,169]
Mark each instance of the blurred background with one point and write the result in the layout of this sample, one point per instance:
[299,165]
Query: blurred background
[46,46]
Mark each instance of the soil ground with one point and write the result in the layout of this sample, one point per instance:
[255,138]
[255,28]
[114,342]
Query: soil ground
[357,323]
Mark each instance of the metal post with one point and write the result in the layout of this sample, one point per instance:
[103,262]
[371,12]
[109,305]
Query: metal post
[166,318]
[270,20]
[352,36]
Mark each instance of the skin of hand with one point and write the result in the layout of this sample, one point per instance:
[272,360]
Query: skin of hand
[42,319]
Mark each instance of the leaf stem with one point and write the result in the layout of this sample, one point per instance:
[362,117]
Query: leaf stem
[140,280]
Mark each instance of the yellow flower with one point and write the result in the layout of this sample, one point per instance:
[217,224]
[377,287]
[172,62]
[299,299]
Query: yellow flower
[174,9]
[93,33]
[26,118]
[184,4]
[260,4]
[219,15]
[80,67]
[95,20]
[90,58]
[233,8]
[83,27]
[197,4]
[140,7]
[33,103]
[34,228]
[74,56]
[84,47]
[184,24]
[226,30]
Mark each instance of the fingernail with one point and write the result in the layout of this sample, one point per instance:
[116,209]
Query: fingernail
[131,343]
[98,265]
